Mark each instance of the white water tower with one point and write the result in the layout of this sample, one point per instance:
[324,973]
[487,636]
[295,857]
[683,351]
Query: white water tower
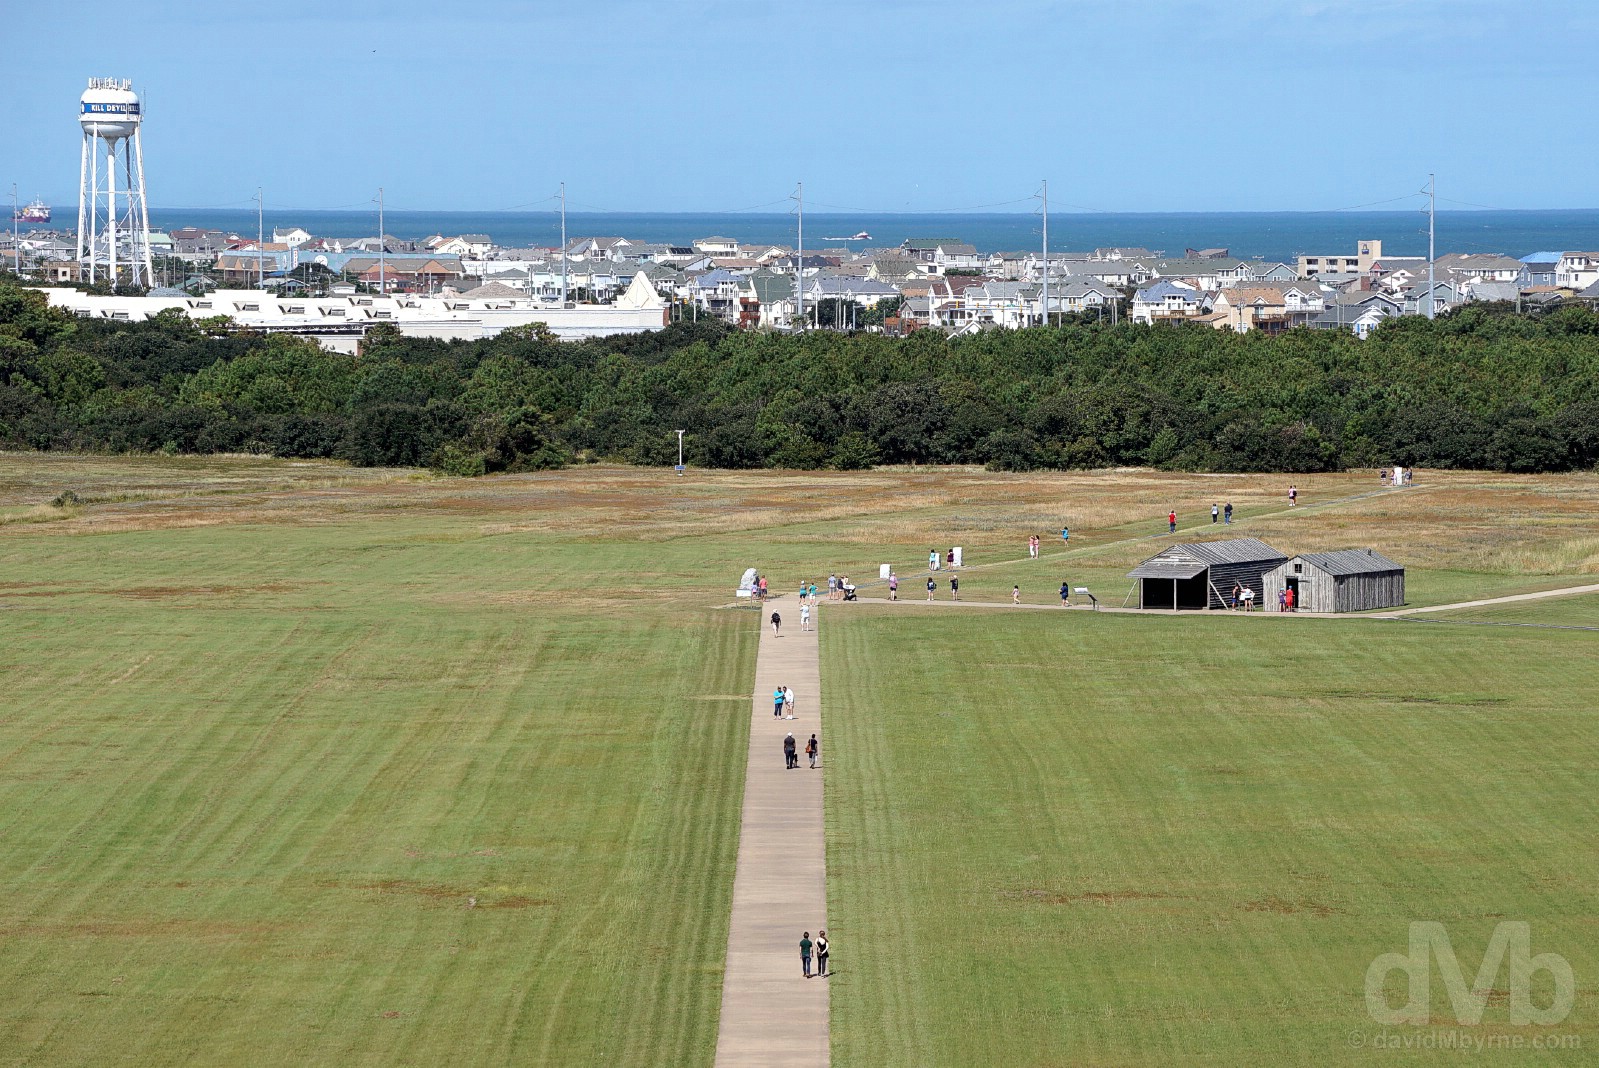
[113,224]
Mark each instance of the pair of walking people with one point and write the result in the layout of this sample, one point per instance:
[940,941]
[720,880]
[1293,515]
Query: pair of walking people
[813,748]
[819,948]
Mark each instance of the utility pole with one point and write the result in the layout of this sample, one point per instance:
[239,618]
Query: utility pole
[680,452]
[260,241]
[1046,251]
[383,247]
[1432,204]
[563,244]
[799,260]
[16,250]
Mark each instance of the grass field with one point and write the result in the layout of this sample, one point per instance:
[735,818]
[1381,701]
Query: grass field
[1100,839]
[360,792]
[308,764]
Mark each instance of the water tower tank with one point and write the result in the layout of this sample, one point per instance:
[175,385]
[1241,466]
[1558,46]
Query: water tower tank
[109,108]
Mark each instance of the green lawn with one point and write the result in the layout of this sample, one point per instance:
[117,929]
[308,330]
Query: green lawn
[1124,840]
[306,765]
[360,793]
[1574,610]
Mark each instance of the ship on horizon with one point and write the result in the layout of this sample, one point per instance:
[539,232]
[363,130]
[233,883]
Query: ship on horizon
[862,236]
[36,212]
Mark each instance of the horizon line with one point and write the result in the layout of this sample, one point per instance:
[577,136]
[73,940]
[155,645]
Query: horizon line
[1089,213]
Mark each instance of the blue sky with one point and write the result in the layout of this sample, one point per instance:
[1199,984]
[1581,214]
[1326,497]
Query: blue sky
[880,105]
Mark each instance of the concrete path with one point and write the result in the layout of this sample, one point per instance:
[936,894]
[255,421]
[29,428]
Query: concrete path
[772,1014]
[1078,605]
[1564,591]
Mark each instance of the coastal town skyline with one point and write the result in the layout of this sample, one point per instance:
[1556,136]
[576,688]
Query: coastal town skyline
[703,106]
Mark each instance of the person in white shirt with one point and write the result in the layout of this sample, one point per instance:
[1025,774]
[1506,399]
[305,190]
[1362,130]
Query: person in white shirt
[788,702]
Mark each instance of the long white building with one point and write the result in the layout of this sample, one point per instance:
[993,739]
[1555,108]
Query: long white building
[339,323]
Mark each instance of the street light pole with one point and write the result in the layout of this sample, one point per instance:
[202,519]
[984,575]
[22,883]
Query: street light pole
[680,452]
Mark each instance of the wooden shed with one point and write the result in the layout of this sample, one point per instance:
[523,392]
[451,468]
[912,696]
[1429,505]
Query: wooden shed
[1201,575]
[1349,580]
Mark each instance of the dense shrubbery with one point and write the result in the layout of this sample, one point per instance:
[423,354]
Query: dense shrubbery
[1482,388]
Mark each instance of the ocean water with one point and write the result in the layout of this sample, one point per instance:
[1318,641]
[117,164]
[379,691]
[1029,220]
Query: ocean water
[1266,235]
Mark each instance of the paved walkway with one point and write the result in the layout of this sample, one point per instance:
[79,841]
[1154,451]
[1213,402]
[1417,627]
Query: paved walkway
[1564,591]
[772,1014]
[1079,605]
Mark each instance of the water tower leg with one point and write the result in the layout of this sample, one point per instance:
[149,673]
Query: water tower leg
[83,192]
[111,211]
[94,208]
[143,209]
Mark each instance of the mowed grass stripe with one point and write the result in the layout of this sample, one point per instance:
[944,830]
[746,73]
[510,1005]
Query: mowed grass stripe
[1133,840]
[262,843]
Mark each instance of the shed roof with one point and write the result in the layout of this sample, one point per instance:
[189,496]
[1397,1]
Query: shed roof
[1188,560]
[1168,567]
[1351,562]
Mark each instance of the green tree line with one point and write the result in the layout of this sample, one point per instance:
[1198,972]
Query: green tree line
[1480,388]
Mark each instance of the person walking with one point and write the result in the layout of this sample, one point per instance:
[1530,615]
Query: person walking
[893,586]
[777,625]
[805,615]
[821,954]
[1236,589]
[1227,514]
[1214,513]
[1249,599]
[790,754]
[954,587]
[812,747]
[763,587]
[1288,595]
[832,586]
[1065,594]
[1015,595]
[777,702]
[788,701]
[1282,600]
[805,953]
[932,559]
[1032,547]
[1171,521]
[931,586]
[1066,534]
[1293,496]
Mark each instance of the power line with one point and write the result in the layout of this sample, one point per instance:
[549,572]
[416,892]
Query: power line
[921,211]
[1469,204]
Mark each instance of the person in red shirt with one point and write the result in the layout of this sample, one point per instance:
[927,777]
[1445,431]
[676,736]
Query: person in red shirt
[1290,594]
[1171,520]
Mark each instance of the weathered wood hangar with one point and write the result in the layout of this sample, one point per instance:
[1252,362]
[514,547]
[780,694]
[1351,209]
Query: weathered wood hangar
[1350,580]
[1201,575]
